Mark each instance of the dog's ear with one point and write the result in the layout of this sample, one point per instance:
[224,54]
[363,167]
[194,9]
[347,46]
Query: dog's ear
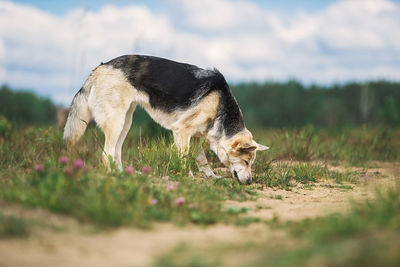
[247,148]
[243,147]
[259,147]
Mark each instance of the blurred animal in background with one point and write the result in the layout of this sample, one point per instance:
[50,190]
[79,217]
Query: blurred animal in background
[61,117]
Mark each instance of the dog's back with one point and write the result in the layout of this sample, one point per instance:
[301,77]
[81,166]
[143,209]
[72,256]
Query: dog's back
[169,84]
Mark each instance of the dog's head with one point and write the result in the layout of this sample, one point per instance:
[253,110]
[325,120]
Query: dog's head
[238,154]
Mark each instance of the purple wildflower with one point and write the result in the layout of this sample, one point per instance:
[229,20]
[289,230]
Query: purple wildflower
[179,201]
[38,167]
[171,187]
[78,164]
[129,170]
[63,160]
[146,169]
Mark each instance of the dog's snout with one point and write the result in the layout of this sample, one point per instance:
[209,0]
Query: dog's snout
[241,179]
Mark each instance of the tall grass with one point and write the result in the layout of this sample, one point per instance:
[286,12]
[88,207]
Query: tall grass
[350,145]
[119,198]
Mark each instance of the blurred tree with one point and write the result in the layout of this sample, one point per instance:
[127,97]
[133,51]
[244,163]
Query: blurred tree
[26,107]
[268,104]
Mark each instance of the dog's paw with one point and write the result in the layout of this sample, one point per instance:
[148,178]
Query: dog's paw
[212,175]
[216,177]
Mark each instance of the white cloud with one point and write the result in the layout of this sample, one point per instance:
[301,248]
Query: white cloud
[348,40]
[221,15]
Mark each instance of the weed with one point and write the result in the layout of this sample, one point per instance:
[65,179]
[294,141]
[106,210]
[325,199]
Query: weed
[12,226]
[237,210]
[183,255]
[285,175]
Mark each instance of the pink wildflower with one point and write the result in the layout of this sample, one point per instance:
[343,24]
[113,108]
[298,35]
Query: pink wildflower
[63,160]
[154,201]
[129,170]
[146,169]
[38,167]
[78,164]
[171,187]
[179,201]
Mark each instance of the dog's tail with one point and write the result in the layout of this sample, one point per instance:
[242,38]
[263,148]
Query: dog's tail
[79,114]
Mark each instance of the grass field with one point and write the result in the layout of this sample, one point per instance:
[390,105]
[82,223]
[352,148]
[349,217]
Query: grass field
[158,187]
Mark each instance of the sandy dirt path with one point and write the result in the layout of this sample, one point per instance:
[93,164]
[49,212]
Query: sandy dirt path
[57,240]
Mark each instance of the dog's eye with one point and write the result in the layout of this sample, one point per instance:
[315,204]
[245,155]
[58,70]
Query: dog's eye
[247,163]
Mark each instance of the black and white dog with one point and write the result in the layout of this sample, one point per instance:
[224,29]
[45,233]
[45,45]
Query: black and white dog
[183,98]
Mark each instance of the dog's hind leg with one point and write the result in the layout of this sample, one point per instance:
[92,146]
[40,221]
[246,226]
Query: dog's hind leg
[111,120]
[112,130]
[125,130]
[202,164]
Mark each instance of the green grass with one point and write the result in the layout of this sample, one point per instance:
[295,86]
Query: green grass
[121,199]
[116,198]
[368,235]
[112,198]
[351,145]
[12,226]
[184,256]
[285,175]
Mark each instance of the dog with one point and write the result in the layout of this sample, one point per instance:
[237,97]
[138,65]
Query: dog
[188,100]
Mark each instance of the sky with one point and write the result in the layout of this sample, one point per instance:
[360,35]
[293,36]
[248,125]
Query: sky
[50,47]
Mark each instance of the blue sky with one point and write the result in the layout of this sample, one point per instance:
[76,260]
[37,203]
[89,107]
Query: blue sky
[61,7]
[51,46]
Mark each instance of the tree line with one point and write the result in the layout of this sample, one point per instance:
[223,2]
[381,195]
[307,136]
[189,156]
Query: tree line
[291,104]
[25,107]
[269,104]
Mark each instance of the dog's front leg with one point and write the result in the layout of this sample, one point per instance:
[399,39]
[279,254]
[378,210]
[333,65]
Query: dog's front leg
[182,142]
[202,164]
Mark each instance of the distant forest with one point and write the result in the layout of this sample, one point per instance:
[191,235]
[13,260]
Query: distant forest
[264,105]
[24,107]
[291,104]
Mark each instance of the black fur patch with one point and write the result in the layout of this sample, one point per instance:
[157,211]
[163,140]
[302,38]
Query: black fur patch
[172,85]
[230,114]
[79,92]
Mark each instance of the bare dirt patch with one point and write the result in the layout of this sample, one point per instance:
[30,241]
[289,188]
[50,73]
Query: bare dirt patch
[305,201]
[57,240]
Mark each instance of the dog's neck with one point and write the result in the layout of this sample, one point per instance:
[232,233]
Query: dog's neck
[228,122]
[217,137]
[229,115]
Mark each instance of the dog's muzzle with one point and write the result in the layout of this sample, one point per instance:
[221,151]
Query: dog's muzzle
[247,181]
